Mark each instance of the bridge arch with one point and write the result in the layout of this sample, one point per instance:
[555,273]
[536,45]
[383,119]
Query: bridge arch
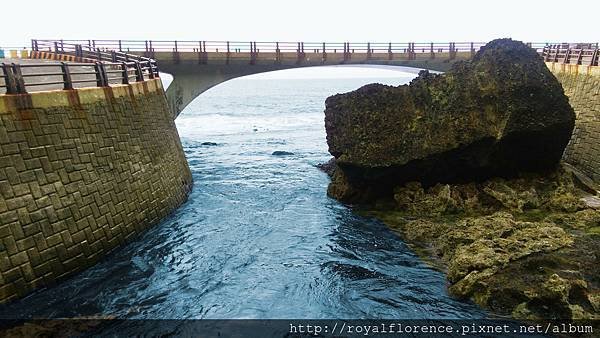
[190,81]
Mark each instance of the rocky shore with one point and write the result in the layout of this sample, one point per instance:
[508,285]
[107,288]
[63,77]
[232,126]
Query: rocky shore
[466,167]
[526,247]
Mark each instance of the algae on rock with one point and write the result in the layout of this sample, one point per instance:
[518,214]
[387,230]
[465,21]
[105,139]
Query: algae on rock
[506,243]
[500,114]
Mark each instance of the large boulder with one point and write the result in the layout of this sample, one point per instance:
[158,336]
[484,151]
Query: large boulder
[495,116]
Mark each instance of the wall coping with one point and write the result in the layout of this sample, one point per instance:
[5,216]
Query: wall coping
[573,69]
[10,103]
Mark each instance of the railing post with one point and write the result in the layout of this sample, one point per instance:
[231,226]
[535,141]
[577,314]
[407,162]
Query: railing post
[139,74]
[300,53]
[18,77]
[567,56]
[147,50]
[68,83]
[594,59]
[546,53]
[200,57]
[580,56]
[100,74]
[56,47]
[252,53]
[176,50]
[368,51]
[473,50]
[346,51]
[431,52]
[390,54]
[120,47]
[228,54]
[9,79]
[124,73]
[324,53]
[150,70]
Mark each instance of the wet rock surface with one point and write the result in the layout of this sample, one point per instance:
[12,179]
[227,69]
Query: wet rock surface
[498,115]
[528,247]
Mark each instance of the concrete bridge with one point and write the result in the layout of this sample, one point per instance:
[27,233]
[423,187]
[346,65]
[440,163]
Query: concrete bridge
[197,66]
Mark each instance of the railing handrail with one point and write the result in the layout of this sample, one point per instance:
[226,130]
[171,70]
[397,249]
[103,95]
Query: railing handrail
[567,54]
[214,45]
[107,67]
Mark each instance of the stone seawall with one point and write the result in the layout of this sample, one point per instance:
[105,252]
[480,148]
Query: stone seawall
[81,173]
[582,86]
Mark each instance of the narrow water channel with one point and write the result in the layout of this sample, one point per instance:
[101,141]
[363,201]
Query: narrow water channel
[258,237]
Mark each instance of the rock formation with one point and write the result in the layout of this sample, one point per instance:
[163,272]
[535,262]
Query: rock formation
[464,165]
[495,116]
[508,244]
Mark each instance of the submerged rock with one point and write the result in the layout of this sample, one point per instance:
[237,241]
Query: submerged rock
[281,153]
[496,116]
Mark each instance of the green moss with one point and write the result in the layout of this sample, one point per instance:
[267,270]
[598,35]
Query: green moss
[593,230]
[505,258]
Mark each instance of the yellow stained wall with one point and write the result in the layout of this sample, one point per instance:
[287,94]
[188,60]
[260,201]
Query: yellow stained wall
[81,173]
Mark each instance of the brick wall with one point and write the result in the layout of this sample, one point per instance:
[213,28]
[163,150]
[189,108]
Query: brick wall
[582,86]
[82,172]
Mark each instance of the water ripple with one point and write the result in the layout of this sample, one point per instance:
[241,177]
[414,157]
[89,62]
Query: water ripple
[258,237]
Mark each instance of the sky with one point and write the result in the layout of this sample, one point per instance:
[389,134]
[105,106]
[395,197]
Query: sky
[307,20]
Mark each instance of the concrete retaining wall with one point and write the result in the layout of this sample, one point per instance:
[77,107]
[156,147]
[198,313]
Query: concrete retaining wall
[82,172]
[582,86]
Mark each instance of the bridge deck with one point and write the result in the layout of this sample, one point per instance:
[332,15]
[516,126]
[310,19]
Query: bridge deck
[295,59]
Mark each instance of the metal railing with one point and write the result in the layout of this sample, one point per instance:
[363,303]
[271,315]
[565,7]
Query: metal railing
[587,54]
[94,66]
[149,46]
[277,51]
[18,78]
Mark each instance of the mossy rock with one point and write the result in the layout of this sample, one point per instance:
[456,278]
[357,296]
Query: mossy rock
[500,114]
